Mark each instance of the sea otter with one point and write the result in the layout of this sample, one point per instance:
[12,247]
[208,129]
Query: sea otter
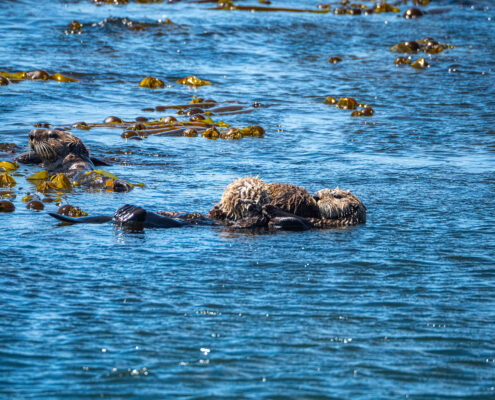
[250,203]
[62,152]
[250,200]
[128,217]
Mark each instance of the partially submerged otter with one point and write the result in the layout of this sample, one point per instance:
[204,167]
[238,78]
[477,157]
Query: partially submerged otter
[62,152]
[250,203]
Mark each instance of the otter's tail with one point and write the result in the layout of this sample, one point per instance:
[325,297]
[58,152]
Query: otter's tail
[100,219]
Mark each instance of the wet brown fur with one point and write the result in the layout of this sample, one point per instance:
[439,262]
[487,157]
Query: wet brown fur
[293,199]
[60,151]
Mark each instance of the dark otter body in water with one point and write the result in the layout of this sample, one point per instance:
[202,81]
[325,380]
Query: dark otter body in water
[128,217]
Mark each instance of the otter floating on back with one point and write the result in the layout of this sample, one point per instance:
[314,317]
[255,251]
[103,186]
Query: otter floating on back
[250,203]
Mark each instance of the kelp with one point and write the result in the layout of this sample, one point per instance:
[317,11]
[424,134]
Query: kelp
[7,180]
[202,115]
[104,180]
[125,2]
[71,211]
[76,27]
[37,75]
[228,5]
[193,81]
[427,45]
[152,83]
[8,166]
[6,206]
[349,103]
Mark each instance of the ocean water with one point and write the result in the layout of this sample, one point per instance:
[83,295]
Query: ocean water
[401,307]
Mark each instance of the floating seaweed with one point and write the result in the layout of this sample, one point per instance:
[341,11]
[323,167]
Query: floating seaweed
[421,63]
[7,180]
[228,5]
[6,206]
[427,45]
[76,27]
[8,166]
[71,211]
[345,7]
[152,83]
[349,103]
[37,75]
[193,81]
[125,2]
[95,180]
[200,122]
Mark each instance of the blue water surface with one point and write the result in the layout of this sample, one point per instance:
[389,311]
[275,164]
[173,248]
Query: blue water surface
[402,307]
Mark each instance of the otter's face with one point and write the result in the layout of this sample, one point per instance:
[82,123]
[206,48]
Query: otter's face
[53,145]
[337,203]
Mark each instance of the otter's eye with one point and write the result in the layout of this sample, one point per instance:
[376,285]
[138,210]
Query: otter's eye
[53,135]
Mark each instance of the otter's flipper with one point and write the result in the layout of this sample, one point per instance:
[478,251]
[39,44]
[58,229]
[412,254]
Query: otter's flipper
[100,219]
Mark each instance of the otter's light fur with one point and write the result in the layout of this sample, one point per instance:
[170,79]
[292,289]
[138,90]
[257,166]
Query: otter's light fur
[243,198]
[339,208]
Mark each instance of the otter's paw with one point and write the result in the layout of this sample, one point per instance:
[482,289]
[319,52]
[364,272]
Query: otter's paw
[290,224]
[28,157]
[129,214]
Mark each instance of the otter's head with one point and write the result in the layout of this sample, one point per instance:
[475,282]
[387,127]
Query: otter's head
[243,198]
[337,204]
[54,145]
